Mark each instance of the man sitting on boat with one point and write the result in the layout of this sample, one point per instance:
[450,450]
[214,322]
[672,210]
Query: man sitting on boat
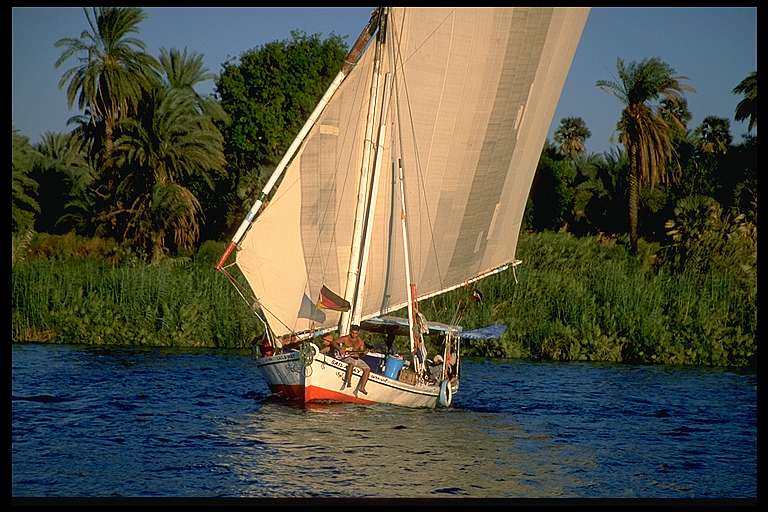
[436,369]
[331,347]
[353,348]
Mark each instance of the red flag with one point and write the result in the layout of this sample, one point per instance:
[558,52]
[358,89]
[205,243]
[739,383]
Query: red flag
[329,300]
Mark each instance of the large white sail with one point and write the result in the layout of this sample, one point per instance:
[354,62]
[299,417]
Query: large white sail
[474,93]
[301,240]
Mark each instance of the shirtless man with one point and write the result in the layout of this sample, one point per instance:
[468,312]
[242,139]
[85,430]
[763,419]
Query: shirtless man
[354,347]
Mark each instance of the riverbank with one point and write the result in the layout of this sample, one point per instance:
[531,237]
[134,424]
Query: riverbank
[575,299]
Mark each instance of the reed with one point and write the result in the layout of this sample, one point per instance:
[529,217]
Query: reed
[577,299]
[588,299]
[87,301]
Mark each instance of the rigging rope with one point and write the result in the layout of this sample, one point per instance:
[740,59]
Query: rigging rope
[250,304]
[397,46]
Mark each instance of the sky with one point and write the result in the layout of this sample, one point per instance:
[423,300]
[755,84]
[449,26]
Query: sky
[715,48]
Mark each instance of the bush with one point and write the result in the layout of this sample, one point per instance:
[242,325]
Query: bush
[589,299]
[577,299]
[70,245]
[210,252]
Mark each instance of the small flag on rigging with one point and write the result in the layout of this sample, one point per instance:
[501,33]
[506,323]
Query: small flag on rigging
[329,300]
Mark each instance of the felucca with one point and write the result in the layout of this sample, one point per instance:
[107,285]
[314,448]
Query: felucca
[408,180]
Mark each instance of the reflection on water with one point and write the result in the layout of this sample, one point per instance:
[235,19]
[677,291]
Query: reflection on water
[349,450]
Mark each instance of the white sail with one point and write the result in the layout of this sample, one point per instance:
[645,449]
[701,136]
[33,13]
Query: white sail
[474,93]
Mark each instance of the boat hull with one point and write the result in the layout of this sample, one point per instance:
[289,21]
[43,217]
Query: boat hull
[320,378]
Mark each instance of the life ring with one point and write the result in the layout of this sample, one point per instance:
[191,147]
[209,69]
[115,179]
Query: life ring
[446,394]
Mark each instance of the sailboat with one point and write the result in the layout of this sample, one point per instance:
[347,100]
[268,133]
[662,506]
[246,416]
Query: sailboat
[408,180]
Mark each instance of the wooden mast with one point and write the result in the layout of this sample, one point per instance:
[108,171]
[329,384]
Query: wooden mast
[415,338]
[363,191]
[356,304]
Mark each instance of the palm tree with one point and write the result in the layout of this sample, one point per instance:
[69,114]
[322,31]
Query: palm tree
[165,148]
[112,68]
[675,112]
[714,135]
[184,71]
[747,107]
[645,134]
[570,136]
[60,170]
[24,204]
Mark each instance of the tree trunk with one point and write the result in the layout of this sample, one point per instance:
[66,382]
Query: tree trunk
[108,134]
[157,246]
[633,200]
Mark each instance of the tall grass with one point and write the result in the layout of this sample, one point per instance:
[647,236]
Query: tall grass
[588,299]
[88,301]
[577,299]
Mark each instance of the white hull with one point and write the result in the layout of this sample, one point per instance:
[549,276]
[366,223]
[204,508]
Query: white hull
[323,380]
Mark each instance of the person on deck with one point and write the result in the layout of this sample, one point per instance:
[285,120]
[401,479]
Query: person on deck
[436,368]
[450,365]
[289,341]
[331,347]
[353,348]
[265,347]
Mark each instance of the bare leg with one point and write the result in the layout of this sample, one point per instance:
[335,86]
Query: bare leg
[363,381]
[348,376]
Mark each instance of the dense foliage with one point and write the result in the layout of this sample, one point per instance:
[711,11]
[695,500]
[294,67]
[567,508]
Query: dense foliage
[268,94]
[24,204]
[580,298]
[588,298]
[87,300]
[655,259]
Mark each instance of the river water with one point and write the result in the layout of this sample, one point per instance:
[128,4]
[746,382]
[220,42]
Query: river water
[130,422]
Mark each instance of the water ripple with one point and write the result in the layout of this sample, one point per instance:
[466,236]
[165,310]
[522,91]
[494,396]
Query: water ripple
[151,423]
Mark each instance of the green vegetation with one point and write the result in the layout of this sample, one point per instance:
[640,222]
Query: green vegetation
[24,205]
[644,132]
[577,299]
[86,300]
[645,253]
[268,94]
[588,299]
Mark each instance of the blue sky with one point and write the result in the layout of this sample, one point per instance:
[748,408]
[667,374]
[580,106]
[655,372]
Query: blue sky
[714,47]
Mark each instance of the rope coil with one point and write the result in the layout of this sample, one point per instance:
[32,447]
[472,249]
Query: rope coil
[307,354]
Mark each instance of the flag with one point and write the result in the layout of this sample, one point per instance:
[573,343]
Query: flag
[329,300]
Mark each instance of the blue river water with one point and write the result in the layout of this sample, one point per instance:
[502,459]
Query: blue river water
[141,422]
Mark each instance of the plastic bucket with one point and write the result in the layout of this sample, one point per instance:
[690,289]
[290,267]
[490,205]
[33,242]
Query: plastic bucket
[393,367]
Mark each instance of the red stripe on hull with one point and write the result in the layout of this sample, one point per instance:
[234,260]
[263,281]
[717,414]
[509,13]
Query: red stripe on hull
[314,393]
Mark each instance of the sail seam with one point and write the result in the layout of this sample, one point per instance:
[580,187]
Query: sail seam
[331,245]
[415,143]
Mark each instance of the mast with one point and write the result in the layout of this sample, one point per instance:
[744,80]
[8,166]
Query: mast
[411,287]
[363,193]
[356,305]
[349,62]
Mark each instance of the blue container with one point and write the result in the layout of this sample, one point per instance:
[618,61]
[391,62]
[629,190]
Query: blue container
[393,367]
